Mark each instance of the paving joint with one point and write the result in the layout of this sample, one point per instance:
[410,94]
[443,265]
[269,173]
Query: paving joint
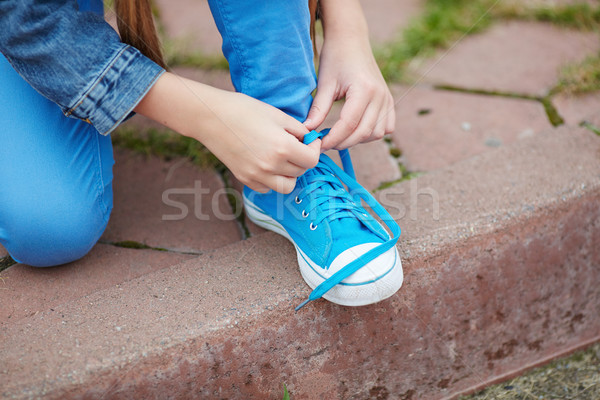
[551,112]
[405,173]
[235,203]
[6,262]
[589,126]
[132,244]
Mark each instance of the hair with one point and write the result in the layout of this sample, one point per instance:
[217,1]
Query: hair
[313,7]
[136,27]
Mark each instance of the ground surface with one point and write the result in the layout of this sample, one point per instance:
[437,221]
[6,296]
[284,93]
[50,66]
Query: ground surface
[511,72]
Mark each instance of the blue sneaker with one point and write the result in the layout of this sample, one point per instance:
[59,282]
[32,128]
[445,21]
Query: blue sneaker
[344,254]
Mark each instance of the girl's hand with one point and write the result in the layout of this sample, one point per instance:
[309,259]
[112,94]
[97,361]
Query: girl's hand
[260,144]
[347,69]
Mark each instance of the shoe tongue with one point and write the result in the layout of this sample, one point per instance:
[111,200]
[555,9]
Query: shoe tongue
[346,232]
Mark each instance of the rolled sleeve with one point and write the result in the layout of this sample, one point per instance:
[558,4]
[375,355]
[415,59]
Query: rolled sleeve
[118,89]
[75,59]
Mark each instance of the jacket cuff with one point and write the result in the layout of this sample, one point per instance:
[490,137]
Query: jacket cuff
[117,91]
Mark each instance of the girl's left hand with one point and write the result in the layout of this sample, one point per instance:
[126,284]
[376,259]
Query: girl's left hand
[348,70]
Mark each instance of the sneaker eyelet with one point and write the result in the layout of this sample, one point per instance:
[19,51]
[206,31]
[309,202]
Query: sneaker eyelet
[297,200]
[313,227]
[304,214]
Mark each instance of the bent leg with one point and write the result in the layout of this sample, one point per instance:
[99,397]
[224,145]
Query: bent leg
[267,44]
[55,177]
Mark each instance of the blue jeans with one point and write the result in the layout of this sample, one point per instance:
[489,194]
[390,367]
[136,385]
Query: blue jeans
[56,172]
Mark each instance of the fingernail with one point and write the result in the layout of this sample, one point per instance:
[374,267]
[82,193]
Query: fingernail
[308,121]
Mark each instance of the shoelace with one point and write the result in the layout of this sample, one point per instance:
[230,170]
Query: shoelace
[345,208]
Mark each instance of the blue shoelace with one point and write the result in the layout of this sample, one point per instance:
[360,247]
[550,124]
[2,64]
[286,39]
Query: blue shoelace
[344,207]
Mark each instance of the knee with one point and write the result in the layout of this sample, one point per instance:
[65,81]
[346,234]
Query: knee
[51,236]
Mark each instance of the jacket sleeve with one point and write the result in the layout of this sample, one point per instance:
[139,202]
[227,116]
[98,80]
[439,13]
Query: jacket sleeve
[75,59]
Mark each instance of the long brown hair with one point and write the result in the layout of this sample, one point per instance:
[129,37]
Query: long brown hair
[312,7]
[136,27]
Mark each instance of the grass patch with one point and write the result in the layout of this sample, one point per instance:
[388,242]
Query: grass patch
[578,16]
[406,176]
[166,144]
[591,127]
[6,262]
[131,244]
[552,112]
[395,152]
[286,395]
[441,24]
[236,204]
[580,78]
[573,377]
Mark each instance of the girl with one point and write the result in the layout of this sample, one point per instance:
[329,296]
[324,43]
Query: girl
[56,167]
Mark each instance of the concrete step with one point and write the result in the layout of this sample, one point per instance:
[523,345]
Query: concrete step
[26,291]
[501,261]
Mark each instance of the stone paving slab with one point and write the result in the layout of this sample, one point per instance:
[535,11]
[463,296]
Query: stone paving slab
[26,291]
[169,204]
[436,128]
[503,275]
[578,108]
[190,21]
[517,57]
[387,18]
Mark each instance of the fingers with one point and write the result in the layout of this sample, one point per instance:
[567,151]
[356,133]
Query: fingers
[291,170]
[363,119]
[320,107]
[293,127]
[281,184]
[365,129]
[386,121]
[258,187]
[305,156]
[350,118]
[390,124]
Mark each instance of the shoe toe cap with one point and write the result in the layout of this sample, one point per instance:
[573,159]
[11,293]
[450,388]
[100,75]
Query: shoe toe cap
[373,271]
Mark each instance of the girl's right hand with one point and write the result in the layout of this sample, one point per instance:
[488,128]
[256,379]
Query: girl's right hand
[260,144]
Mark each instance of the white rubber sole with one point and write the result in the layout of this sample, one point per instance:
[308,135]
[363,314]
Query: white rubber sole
[385,270]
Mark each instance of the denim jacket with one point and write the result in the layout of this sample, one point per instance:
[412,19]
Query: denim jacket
[69,54]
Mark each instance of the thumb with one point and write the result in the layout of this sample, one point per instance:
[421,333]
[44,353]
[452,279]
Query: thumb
[320,107]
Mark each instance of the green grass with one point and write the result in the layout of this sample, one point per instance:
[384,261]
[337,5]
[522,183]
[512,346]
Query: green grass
[166,144]
[591,127]
[131,244]
[286,395]
[441,24]
[577,16]
[6,262]
[581,77]
[573,377]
